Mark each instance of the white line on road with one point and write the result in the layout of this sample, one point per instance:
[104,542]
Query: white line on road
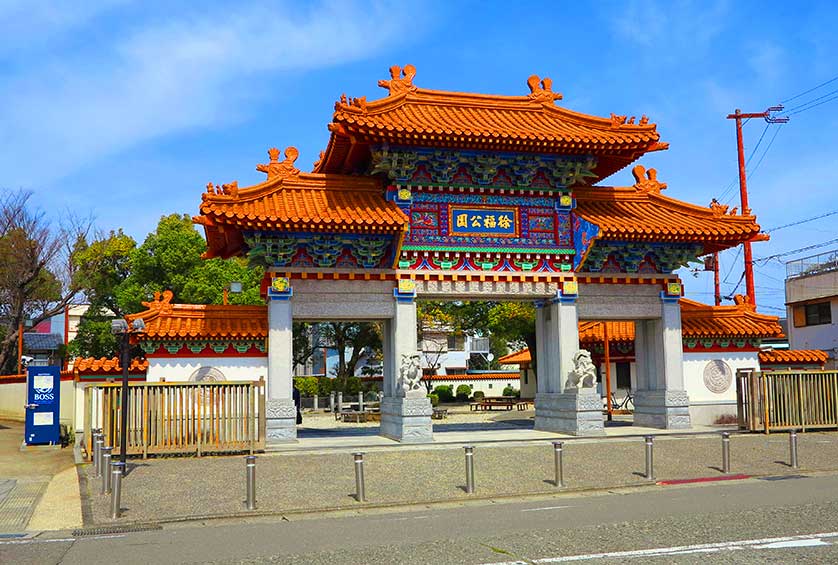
[544,508]
[765,543]
[58,540]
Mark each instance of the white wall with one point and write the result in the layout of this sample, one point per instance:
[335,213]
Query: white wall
[180,368]
[695,363]
[13,398]
[823,336]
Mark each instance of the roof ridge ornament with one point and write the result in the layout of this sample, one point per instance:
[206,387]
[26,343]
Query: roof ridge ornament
[162,303]
[744,302]
[542,90]
[401,80]
[647,181]
[280,169]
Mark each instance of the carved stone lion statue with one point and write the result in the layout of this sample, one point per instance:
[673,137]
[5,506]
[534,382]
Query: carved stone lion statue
[410,375]
[583,374]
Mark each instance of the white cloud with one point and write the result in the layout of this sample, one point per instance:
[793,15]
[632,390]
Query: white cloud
[187,72]
[665,26]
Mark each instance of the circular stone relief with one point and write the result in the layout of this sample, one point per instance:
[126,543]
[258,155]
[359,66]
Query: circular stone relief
[206,375]
[717,376]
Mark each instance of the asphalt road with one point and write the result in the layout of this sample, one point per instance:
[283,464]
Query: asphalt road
[789,520]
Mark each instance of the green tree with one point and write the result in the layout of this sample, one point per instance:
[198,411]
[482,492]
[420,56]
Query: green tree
[359,338]
[102,267]
[94,337]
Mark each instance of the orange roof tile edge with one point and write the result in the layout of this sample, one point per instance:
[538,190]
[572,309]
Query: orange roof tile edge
[793,357]
[107,366]
[473,377]
[610,207]
[166,320]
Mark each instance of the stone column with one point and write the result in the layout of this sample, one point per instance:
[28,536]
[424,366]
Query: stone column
[561,406]
[281,413]
[661,400]
[405,408]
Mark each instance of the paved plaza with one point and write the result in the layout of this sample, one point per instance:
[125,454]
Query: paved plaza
[172,489]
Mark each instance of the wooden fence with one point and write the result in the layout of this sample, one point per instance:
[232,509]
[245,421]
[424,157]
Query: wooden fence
[179,417]
[784,400]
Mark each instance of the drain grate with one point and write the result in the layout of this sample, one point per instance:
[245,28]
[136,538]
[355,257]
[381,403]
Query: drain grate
[105,530]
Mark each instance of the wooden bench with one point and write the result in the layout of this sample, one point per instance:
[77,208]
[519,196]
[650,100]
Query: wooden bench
[439,413]
[353,416]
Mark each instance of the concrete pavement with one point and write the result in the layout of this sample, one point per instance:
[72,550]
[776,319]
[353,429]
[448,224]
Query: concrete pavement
[794,520]
[172,489]
[39,487]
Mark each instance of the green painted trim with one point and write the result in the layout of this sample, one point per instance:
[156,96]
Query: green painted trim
[497,187]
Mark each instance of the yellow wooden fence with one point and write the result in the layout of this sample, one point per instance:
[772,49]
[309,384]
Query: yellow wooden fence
[784,400]
[212,417]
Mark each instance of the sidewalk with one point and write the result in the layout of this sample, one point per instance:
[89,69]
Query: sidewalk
[171,489]
[39,487]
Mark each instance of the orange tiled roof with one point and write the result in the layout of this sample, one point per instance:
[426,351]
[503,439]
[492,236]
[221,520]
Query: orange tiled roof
[793,357]
[641,213]
[411,115]
[107,366]
[206,321]
[593,332]
[740,320]
[697,321]
[293,201]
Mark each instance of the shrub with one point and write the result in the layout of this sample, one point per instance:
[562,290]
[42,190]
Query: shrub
[510,391]
[445,393]
[308,386]
[324,386]
[479,395]
[463,392]
[434,399]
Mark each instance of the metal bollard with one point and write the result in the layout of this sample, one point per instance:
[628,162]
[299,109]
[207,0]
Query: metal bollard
[340,402]
[557,454]
[106,465]
[360,488]
[97,456]
[315,403]
[793,449]
[650,472]
[332,401]
[250,469]
[116,488]
[725,452]
[360,402]
[469,469]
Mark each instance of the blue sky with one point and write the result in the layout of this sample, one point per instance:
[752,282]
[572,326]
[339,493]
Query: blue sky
[127,109]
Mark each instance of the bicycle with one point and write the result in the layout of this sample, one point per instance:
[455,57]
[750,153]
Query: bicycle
[624,405]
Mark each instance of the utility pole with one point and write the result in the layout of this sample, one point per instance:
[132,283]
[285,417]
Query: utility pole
[743,186]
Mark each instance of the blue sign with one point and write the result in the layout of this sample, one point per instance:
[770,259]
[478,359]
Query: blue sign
[43,398]
[483,221]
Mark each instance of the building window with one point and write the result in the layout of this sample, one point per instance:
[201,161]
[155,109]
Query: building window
[490,385]
[624,375]
[455,370]
[456,342]
[815,314]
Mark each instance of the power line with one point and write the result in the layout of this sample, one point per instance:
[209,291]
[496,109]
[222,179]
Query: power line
[767,147]
[797,223]
[816,105]
[733,263]
[796,96]
[797,109]
[747,161]
[793,251]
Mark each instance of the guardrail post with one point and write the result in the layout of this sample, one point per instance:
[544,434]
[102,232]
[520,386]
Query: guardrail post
[360,487]
[106,465]
[250,471]
[118,468]
[469,469]
[97,455]
[726,452]
[793,449]
[650,472]
[557,457]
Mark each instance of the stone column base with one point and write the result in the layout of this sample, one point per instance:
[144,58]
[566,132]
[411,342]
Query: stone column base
[665,409]
[407,420]
[574,412]
[281,420]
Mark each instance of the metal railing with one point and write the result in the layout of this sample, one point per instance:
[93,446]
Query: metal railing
[219,417]
[786,400]
[813,265]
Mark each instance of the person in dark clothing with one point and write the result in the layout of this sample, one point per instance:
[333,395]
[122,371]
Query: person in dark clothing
[297,402]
